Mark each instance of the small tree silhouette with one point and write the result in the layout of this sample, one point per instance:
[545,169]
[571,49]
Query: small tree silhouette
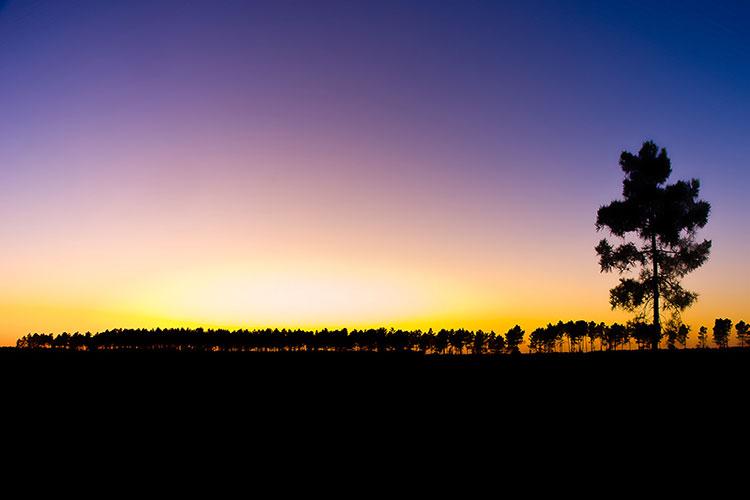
[676,332]
[664,219]
[496,343]
[536,340]
[743,331]
[644,334]
[480,342]
[614,336]
[722,329]
[682,335]
[703,337]
[513,339]
[596,331]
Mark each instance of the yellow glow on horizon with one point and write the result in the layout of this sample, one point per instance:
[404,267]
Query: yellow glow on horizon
[311,288]
[271,297]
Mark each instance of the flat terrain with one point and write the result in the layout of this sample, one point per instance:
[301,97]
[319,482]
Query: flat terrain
[698,375]
[347,404]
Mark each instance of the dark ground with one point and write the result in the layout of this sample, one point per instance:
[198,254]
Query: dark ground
[410,380]
[335,409]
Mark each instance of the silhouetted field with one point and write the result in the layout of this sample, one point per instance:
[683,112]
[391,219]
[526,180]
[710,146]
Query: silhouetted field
[289,405]
[617,375]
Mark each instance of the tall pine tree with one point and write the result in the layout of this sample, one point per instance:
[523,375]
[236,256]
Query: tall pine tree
[656,225]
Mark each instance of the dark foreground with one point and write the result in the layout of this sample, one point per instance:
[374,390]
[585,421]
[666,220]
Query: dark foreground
[289,379]
[305,406]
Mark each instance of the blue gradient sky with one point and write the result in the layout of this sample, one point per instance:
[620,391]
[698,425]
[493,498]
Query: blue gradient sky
[407,163]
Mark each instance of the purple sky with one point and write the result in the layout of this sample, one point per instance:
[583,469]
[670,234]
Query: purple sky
[435,162]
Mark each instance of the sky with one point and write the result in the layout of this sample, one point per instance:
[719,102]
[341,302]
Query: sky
[327,164]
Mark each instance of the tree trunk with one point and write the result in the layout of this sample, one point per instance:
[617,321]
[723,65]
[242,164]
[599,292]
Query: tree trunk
[657,322]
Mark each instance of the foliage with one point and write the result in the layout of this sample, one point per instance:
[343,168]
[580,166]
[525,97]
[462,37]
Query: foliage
[656,224]
[703,337]
[614,336]
[722,329]
[513,339]
[743,332]
[571,336]
[676,332]
[644,334]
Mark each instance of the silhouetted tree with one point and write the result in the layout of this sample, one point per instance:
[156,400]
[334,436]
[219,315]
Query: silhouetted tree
[441,341]
[536,340]
[682,335]
[513,339]
[577,332]
[703,337]
[664,219]
[426,341]
[615,335]
[676,332]
[596,332]
[459,341]
[496,343]
[644,334]
[722,329]
[743,332]
[479,343]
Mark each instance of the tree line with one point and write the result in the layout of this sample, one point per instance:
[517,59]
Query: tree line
[571,336]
